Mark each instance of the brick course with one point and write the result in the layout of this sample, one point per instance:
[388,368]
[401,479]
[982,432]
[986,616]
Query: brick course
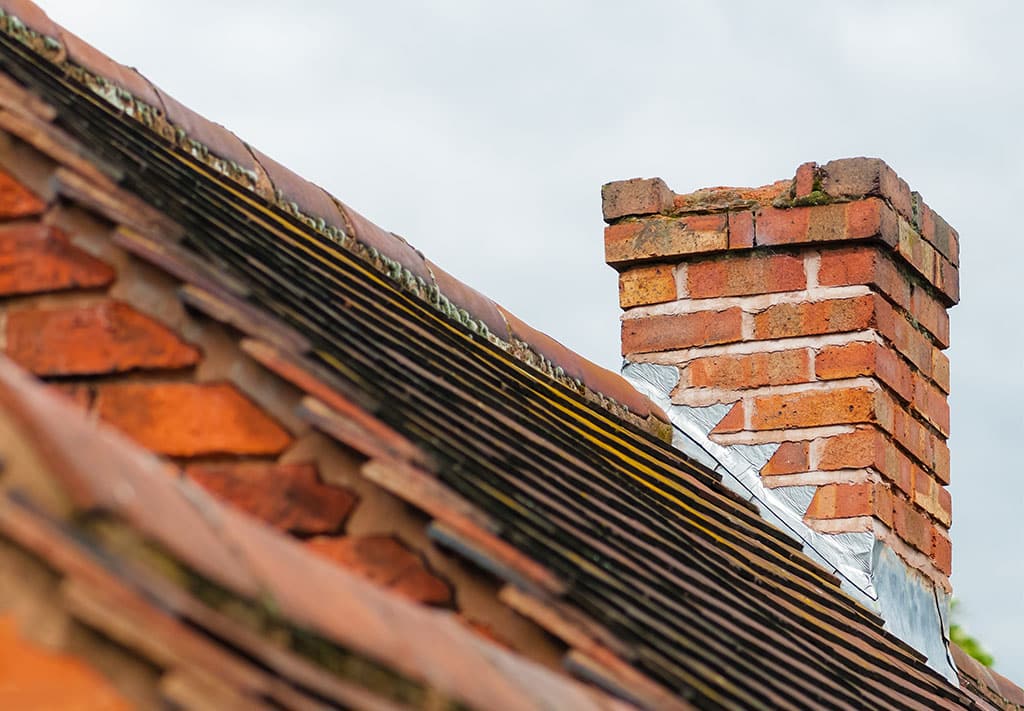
[824,309]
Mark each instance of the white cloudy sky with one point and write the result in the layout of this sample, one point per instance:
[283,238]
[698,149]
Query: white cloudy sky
[482,132]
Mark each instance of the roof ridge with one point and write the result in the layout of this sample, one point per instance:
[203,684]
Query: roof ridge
[390,254]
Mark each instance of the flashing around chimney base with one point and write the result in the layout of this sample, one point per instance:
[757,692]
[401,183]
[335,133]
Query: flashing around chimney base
[913,608]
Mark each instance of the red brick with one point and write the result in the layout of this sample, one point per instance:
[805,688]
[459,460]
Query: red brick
[741,230]
[930,403]
[945,504]
[862,358]
[668,332]
[814,318]
[866,265]
[775,226]
[37,258]
[744,275]
[187,419]
[940,461]
[940,370]
[865,219]
[916,251]
[842,501]
[664,237]
[749,370]
[814,408]
[386,562]
[915,437]
[638,196]
[109,337]
[803,184]
[856,177]
[883,503]
[856,450]
[16,200]
[911,525]
[942,551]
[732,422]
[904,336]
[947,280]
[789,458]
[289,497]
[931,315]
[647,285]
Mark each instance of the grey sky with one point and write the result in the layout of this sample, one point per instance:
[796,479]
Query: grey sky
[483,131]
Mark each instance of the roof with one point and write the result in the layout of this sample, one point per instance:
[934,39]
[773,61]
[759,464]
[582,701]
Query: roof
[546,471]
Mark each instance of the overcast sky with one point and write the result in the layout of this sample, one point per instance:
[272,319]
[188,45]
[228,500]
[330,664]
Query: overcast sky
[482,132]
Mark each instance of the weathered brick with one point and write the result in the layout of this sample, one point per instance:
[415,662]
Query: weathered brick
[16,200]
[916,251]
[862,220]
[942,551]
[385,561]
[947,280]
[638,196]
[915,437]
[750,370]
[187,419]
[930,403]
[911,525]
[930,314]
[664,237]
[904,336]
[940,370]
[884,498]
[289,497]
[856,177]
[741,229]
[815,408]
[864,265]
[669,332]
[868,265]
[863,448]
[814,318]
[945,506]
[743,275]
[789,458]
[803,183]
[38,258]
[647,285]
[865,358]
[940,461]
[109,337]
[937,231]
[732,422]
[833,501]
[776,226]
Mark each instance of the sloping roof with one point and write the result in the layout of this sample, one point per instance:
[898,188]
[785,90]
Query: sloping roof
[540,467]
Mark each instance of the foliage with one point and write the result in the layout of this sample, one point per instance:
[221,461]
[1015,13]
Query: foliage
[961,638]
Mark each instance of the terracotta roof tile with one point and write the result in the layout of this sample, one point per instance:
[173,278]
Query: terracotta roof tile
[33,678]
[188,419]
[386,561]
[37,258]
[102,338]
[289,497]
[16,201]
[702,597]
[102,471]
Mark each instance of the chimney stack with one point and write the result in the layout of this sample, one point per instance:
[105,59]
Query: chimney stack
[812,313]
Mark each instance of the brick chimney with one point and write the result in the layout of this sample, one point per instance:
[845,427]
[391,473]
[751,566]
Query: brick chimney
[811,313]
